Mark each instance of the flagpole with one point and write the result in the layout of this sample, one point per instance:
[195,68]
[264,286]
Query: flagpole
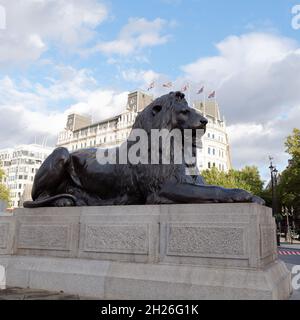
[216,102]
[204,103]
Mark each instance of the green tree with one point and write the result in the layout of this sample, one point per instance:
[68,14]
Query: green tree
[247,178]
[289,184]
[293,144]
[289,180]
[4,192]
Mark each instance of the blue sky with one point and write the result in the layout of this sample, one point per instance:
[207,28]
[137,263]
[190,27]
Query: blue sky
[198,25]
[84,56]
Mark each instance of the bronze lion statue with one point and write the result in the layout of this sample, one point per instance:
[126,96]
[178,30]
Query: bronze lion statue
[80,179]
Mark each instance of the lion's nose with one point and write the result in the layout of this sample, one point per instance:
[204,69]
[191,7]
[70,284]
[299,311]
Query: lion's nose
[203,122]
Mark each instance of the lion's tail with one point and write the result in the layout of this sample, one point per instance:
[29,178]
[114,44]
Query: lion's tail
[48,202]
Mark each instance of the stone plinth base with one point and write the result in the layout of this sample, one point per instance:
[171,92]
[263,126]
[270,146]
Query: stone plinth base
[215,251]
[120,280]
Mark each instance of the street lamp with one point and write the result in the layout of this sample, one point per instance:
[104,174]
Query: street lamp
[274,173]
[288,213]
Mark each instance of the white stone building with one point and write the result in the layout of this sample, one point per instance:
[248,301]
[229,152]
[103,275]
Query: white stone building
[20,165]
[80,132]
[216,148]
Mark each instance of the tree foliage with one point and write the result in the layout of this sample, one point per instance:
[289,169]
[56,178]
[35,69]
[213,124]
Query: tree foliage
[247,178]
[289,183]
[4,192]
[293,144]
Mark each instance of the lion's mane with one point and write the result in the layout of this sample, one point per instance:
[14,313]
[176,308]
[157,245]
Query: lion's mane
[156,175]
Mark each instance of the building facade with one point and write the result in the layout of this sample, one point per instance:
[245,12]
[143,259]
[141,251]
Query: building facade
[20,165]
[80,132]
[215,150]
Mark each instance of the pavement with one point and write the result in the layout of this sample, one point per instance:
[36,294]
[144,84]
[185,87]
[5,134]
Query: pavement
[31,294]
[290,254]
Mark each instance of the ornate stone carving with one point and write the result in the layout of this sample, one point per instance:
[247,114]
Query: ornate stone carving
[3,235]
[267,244]
[117,238]
[197,240]
[45,237]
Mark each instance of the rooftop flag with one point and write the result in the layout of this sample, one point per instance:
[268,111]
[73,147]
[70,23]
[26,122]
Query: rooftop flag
[168,85]
[151,86]
[185,88]
[200,90]
[212,95]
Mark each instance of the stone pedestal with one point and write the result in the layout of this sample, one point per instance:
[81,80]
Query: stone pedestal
[213,251]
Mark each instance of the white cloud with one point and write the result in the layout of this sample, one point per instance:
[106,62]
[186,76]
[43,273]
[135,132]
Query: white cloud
[31,110]
[69,84]
[137,34]
[101,104]
[253,143]
[32,24]
[257,83]
[252,73]
[144,77]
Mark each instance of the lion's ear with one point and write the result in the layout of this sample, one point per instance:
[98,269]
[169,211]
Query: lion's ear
[156,109]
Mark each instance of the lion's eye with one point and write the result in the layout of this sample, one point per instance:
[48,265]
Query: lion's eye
[184,111]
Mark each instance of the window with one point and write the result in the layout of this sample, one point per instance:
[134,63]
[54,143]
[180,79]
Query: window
[208,150]
[214,164]
[214,151]
[209,166]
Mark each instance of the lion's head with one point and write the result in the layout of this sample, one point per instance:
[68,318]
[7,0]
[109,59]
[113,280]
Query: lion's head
[170,111]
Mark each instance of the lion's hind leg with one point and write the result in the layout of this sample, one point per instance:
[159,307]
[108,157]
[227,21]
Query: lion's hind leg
[52,176]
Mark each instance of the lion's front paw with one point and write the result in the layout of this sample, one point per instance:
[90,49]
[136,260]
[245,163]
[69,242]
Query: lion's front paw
[258,200]
[239,195]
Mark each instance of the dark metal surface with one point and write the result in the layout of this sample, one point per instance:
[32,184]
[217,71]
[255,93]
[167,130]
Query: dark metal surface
[77,178]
